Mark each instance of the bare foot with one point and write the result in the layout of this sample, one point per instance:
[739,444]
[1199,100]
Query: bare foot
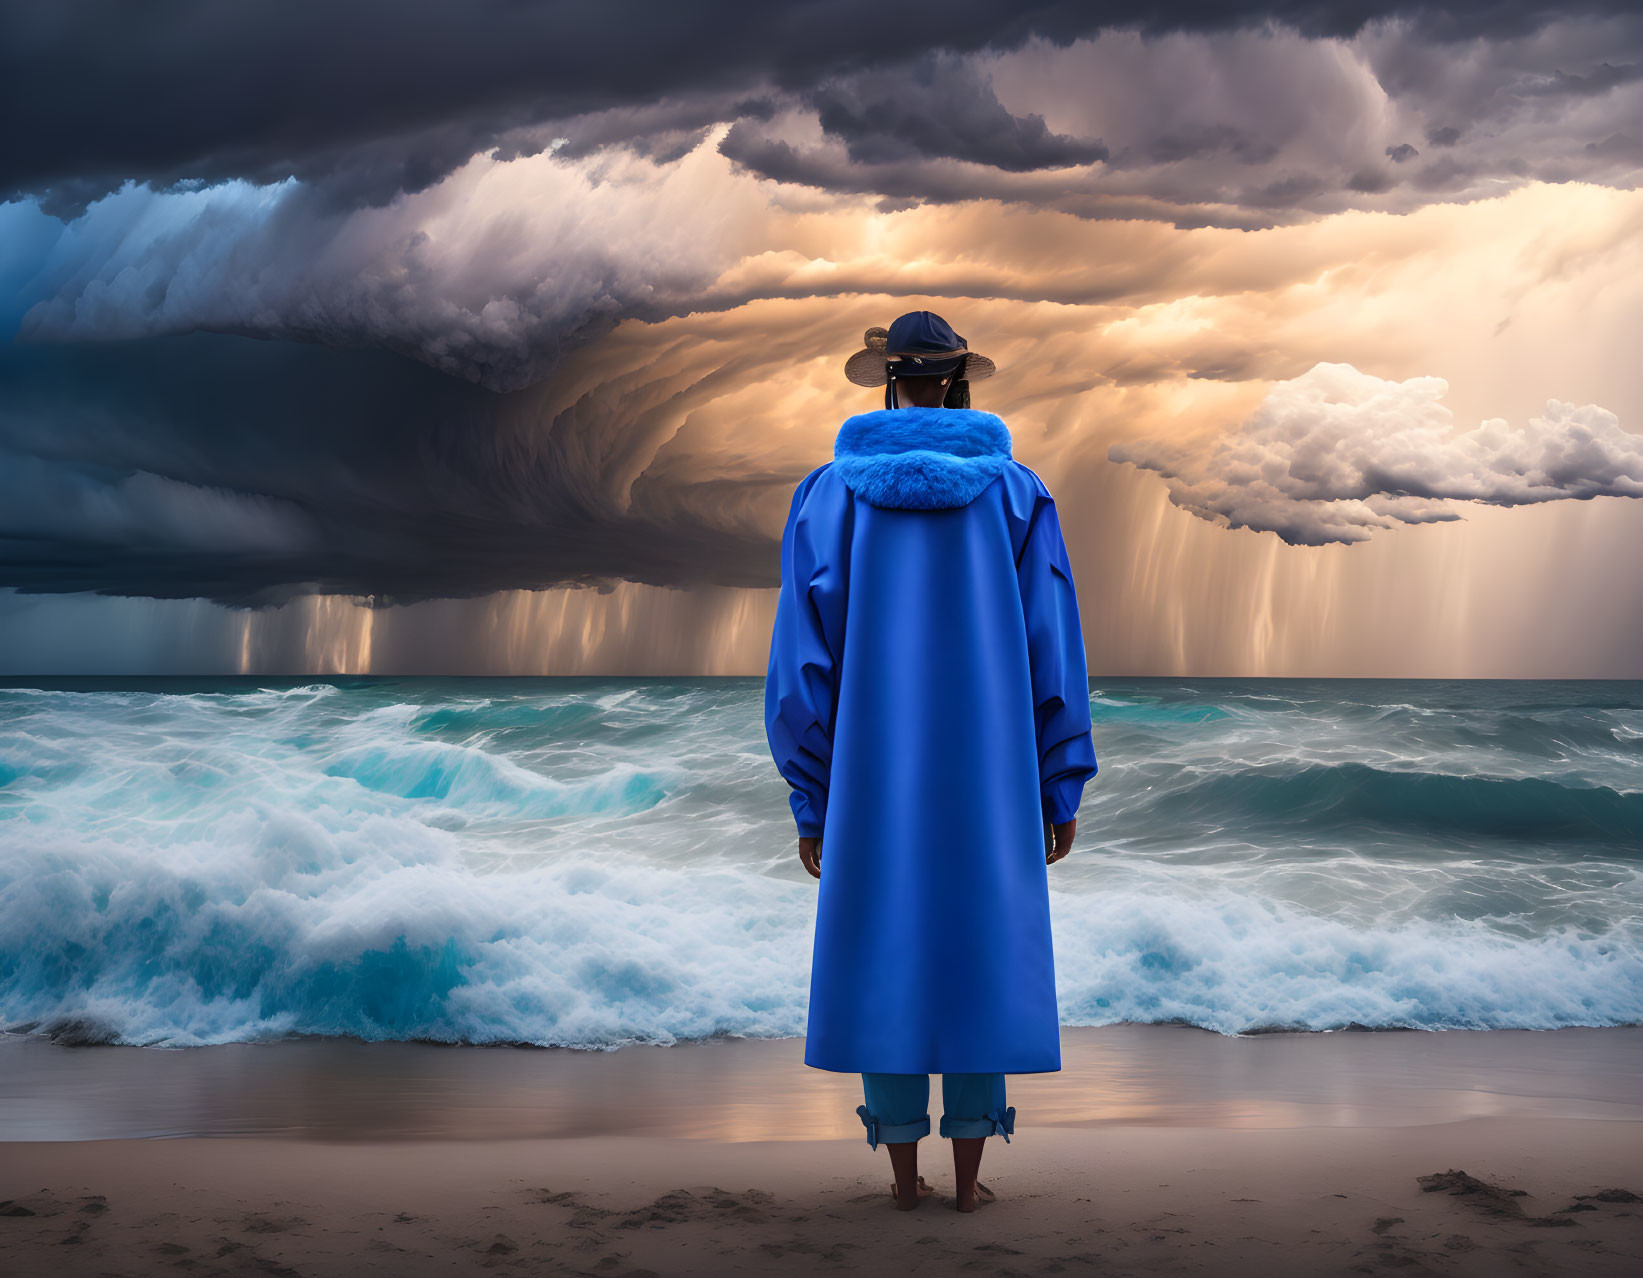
[906,1203]
[978,1195]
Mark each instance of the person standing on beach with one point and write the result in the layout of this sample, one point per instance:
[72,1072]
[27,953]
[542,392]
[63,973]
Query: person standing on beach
[927,701]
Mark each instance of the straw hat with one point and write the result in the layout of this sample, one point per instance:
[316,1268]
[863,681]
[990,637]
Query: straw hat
[920,343]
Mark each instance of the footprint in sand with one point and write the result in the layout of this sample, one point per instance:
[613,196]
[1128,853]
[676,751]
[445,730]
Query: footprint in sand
[1390,1251]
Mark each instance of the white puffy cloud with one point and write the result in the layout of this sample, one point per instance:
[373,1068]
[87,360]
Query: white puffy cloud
[1334,454]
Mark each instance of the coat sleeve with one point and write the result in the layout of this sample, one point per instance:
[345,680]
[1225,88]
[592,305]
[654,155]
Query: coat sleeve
[801,686]
[1060,676]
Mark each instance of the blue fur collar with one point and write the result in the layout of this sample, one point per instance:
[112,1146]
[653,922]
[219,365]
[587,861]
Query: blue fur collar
[921,458]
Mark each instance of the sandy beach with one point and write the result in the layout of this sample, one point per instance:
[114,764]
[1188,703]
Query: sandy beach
[1155,1150]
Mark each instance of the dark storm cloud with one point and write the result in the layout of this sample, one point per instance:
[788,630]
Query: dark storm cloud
[1213,130]
[904,185]
[251,472]
[388,95]
[940,107]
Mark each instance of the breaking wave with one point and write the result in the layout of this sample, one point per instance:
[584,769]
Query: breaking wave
[589,863]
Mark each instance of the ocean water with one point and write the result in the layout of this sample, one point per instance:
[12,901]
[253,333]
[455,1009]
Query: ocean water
[591,862]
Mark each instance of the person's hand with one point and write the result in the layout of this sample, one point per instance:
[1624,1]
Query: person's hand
[1063,840]
[810,854]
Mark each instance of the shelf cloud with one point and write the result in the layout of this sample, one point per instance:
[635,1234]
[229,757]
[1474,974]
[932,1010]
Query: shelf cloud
[383,96]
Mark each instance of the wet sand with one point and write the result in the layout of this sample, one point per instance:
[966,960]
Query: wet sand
[1155,1150]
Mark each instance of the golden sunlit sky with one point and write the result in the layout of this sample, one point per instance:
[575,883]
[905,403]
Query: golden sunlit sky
[1320,330]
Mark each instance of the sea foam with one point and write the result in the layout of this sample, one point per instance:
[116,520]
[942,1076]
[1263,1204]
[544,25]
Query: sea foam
[589,865]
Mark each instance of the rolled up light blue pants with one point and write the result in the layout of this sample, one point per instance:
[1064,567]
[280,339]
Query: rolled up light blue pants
[898,1107]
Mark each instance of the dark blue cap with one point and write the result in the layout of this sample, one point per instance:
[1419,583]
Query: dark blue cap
[918,344]
[926,343]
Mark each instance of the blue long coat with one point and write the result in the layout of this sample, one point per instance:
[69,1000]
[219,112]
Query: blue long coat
[928,702]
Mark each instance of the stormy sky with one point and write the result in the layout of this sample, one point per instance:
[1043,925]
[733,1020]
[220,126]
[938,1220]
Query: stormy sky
[493,337]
